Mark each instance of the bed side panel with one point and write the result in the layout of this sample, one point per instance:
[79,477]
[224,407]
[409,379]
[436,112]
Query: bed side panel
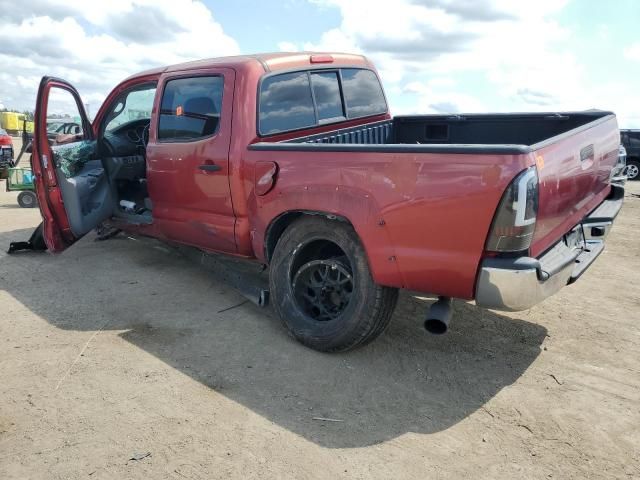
[423,218]
[574,177]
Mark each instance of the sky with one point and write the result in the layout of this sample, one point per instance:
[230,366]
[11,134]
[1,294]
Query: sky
[434,56]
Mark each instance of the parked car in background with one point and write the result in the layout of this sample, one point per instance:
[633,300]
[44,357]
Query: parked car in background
[6,152]
[294,161]
[631,141]
[63,128]
[58,132]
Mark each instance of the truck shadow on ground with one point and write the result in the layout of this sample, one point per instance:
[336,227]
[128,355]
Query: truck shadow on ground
[406,381]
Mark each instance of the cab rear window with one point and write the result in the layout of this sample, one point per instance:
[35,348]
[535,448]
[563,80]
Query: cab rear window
[297,100]
[326,91]
[362,93]
[286,103]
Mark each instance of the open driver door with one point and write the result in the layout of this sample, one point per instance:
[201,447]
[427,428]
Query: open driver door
[72,185]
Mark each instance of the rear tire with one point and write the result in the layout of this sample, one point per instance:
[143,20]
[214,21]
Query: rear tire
[27,199]
[322,289]
[633,169]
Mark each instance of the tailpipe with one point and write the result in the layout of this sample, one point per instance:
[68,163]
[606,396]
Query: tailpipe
[439,316]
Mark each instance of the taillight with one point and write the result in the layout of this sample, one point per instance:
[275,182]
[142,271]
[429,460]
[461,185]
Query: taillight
[515,220]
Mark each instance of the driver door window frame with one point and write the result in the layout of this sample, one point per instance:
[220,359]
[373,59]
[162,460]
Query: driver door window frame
[103,114]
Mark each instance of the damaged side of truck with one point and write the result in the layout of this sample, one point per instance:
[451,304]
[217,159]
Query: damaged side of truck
[293,161]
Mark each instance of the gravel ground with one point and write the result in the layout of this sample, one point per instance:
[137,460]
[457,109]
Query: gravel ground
[121,360]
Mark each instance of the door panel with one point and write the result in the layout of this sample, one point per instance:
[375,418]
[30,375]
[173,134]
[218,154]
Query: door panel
[71,185]
[87,197]
[188,159]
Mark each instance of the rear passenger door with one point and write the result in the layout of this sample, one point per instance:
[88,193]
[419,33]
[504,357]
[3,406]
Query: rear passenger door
[188,158]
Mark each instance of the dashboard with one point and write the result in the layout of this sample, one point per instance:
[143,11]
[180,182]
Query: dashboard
[124,150]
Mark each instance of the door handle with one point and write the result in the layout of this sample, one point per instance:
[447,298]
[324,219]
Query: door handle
[210,168]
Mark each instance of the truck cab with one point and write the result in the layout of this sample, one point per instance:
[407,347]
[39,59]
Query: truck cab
[156,158]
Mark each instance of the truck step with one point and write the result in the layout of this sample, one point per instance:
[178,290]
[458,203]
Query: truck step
[606,212]
[585,259]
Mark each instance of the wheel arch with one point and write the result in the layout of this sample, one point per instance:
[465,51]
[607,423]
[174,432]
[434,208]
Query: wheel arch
[280,223]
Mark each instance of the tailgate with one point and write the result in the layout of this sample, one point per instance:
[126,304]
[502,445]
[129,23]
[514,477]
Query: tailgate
[574,171]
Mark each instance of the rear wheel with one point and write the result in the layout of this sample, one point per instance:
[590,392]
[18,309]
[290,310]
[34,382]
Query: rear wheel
[633,169]
[322,288]
[27,199]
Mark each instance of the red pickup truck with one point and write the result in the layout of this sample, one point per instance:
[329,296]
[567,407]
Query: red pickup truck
[294,161]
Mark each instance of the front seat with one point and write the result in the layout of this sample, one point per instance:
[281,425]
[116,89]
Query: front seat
[205,109]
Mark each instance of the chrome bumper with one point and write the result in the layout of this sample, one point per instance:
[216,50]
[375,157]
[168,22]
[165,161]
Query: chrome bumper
[618,173]
[514,284]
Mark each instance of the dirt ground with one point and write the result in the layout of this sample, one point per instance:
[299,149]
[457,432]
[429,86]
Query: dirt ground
[120,360]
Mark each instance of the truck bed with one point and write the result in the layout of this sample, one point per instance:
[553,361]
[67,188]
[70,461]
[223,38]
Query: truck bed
[513,133]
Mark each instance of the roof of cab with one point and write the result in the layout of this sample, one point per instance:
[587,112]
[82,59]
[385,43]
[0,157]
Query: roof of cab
[269,62]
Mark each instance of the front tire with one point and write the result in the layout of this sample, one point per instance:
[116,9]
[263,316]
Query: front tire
[322,289]
[27,199]
[633,169]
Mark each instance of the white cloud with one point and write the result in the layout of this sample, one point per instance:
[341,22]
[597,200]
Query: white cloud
[95,45]
[509,43]
[633,52]
[518,49]
[439,97]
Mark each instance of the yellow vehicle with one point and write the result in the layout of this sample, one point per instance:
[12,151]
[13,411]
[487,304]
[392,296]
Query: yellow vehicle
[12,121]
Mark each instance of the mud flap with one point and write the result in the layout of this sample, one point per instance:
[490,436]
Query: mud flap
[35,243]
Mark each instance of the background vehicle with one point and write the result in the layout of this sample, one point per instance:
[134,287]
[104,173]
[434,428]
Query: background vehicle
[631,141]
[13,122]
[63,127]
[6,153]
[58,130]
[293,161]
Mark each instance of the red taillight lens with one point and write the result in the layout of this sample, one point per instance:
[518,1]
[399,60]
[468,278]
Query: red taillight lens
[515,220]
[321,59]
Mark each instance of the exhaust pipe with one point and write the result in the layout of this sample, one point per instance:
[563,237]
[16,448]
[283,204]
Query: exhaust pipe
[439,316]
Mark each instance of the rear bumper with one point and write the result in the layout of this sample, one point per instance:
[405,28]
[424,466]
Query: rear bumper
[618,174]
[514,284]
